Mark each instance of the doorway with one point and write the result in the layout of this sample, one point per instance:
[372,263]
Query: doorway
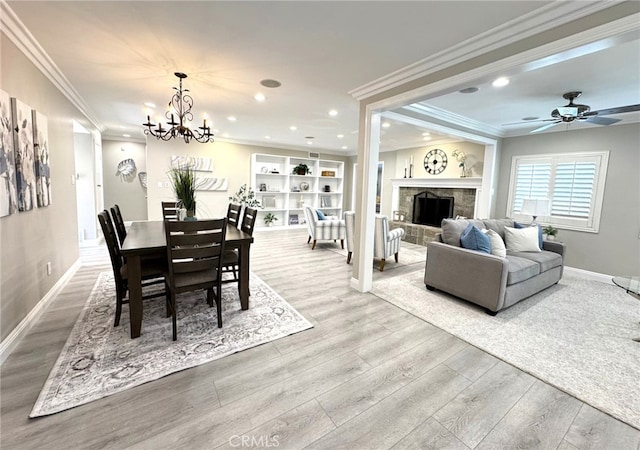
[88,190]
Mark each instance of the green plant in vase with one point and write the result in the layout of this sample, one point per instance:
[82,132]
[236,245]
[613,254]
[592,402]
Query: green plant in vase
[301,169]
[183,181]
[269,218]
[550,232]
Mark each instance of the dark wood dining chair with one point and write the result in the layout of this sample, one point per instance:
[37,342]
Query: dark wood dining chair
[194,253]
[233,214]
[170,211]
[121,230]
[231,259]
[152,269]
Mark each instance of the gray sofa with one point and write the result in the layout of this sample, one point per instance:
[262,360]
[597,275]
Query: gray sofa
[487,280]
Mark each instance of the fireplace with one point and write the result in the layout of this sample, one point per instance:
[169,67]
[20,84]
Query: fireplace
[430,208]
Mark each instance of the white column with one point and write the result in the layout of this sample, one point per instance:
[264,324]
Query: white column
[366,178]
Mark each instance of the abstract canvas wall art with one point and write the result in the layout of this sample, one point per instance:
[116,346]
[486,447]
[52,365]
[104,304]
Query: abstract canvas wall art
[195,163]
[24,155]
[41,153]
[8,191]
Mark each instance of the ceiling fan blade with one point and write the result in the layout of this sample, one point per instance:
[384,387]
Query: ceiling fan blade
[601,120]
[529,121]
[618,110]
[547,126]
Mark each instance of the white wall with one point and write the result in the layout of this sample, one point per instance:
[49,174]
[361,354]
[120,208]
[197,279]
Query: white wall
[615,249]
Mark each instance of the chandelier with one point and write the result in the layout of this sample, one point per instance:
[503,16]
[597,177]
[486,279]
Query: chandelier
[180,104]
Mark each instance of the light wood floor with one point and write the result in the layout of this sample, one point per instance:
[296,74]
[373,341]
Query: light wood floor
[367,376]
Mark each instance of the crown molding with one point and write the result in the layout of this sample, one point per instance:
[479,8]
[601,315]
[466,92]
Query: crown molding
[17,32]
[538,21]
[455,119]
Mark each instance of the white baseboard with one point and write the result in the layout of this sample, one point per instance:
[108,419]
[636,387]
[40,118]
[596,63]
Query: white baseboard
[13,339]
[593,276]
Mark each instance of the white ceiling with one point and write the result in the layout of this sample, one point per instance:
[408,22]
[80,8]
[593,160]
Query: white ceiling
[119,55]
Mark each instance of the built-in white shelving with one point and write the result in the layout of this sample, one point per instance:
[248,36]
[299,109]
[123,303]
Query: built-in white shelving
[282,192]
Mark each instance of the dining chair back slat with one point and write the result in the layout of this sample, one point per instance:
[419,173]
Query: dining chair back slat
[170,211]
[194,254]
[118,222]
[249,220]
[233,214]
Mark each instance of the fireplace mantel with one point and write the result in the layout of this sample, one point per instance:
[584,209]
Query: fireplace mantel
[464,183]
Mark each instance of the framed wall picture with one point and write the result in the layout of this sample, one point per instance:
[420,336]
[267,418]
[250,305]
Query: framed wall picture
[41,155]
[24,156]
[293,219]
[269,201]
[8,191]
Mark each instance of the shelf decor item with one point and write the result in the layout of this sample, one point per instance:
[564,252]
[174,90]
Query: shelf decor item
[301,169]
[328,173]
[269,218]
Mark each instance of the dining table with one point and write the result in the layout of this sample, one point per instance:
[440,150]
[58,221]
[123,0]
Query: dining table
[146,239]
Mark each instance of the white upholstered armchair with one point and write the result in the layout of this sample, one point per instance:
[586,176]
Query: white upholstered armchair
[385,243]
[331,228]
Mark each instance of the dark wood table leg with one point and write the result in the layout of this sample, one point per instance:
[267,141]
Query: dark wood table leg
[244,276]
[135,294]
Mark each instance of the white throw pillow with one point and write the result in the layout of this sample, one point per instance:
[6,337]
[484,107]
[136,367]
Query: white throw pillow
[497,244]
[521,239]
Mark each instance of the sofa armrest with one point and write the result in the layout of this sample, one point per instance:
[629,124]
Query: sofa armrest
[555,247]
[475,276]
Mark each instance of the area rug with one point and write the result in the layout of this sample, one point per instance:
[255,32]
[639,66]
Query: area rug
[576,336]
[99,359]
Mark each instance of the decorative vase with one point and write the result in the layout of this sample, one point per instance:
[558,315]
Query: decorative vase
[550,237]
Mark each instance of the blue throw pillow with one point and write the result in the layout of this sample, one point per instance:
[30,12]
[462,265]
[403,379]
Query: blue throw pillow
[540,239]
[474,239]
[321,215]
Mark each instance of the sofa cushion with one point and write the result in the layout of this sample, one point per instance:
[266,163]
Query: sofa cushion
[321,215]
[474,239]
[540,238]
[546,260]
[452,229]
[497,244]
[521,269]
[498,225]
[521,240]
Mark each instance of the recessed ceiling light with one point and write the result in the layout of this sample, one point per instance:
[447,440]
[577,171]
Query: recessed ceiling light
[344,147]
[293,128]
[500,82]
[469,90]
[267,137]
[426,133]
[231,119]
[149,104]
[226,135]
[386,124]
[333,113]
[340,136]
[259,97]
[215,130]
[270,83]
[309,142]
[426,138]
[126,135]
[530,118]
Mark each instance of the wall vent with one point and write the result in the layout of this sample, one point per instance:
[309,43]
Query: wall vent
[314,155]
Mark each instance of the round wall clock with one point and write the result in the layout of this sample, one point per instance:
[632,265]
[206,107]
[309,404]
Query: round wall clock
[435,162]
[264,169]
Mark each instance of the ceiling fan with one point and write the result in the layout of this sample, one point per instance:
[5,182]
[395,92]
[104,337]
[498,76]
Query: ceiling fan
[574,111]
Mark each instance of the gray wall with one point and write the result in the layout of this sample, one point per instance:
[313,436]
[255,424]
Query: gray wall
[28,240]
[615,249]
[128,194]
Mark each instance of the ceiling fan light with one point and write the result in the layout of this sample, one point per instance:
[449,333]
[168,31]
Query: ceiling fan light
[569,111]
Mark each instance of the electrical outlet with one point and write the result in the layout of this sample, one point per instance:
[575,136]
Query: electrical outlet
[49,268]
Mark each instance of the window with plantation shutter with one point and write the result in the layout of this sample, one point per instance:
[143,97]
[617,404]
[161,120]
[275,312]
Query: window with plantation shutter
[572,182]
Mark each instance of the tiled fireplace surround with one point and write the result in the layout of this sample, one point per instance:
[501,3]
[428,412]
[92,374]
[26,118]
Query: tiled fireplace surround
[463,190]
